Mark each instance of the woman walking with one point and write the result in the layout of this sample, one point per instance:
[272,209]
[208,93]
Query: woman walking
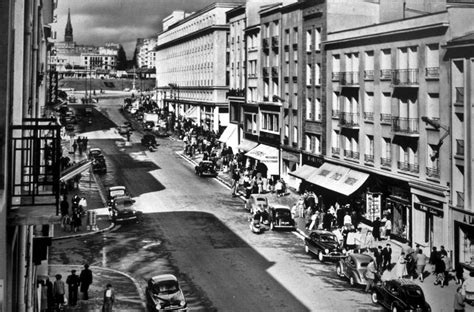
[401,267]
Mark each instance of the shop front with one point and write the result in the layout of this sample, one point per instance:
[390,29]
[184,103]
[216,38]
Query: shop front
[464,242]
[398,210]
[290,161]
[267,160]
[428,216]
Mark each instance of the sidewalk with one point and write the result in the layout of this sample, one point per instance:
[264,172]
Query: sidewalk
[440,299]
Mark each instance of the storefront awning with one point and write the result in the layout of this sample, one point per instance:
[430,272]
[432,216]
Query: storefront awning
[339,179]
[264,153]
[74,170]
[228,133]
[304,172]
[192,113]
[246,145]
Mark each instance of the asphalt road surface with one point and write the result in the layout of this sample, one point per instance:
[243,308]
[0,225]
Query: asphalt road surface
[194,229]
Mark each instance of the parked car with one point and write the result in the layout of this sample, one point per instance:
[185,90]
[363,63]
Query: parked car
[116,191]
[256,202]
[400,295]
[280,217]
[94,152]
[324,244]
[148,139]
[99,164]
[121,209]
[164,294]
[354,267]
[206,168]
[148,125]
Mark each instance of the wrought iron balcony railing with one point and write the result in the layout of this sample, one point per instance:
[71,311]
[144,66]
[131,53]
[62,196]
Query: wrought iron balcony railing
[265,72]
[405,125]
[406,166]
[405,77]
[275,42]
[369,116]
[385,74]
[386,118]
[336,76]
[459,96]
[336,113]
[275,71]
[369,74]
[350,78]
[369,158]
[351,154]
[335,150]
[432,72]
[432,172]
[236,92]
[349,120]
[386,162]
[460,147]
[265,44]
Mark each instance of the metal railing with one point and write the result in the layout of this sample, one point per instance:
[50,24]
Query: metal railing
[385,162]
[432,172]
[350,78]
[405,77]
[386,118]
[369,116]
[349,119]
[336,76]
[265,43]
[369,74]
[432,72]
[236,92]
[369,158]
[406,166]
[385,74]
[351,154]
[460,199]
[266,72]
[405,125]
[275,42]
[335,150]
[336,113]
[275,71]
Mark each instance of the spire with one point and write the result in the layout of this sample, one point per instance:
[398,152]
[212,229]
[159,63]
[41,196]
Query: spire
[68,33]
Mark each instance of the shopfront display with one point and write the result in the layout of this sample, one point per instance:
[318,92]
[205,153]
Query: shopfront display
[464,236]
[398,211]
[373,202]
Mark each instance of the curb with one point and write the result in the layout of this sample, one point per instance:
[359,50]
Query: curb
[85,234]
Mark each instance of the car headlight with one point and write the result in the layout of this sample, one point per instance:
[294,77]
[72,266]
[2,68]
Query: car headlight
[326,251]
[182,303]
[158,306]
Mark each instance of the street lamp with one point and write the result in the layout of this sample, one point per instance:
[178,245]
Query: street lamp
[435,124]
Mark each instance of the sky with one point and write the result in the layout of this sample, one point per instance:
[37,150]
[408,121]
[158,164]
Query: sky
[120,21]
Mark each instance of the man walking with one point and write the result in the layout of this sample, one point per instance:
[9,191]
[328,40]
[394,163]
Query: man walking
[387,257]
[86,281]
[73,283]
[109,298]
[421,260]
[59,289]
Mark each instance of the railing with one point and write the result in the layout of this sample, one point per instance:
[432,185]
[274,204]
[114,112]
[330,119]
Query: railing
[252,75]
[459,95]
[350,78]
[351,154]
[265,98]
[369,74]
[349,119]
[275,42]
[385,74]
[432,172]
[336,76]
[385,162]
[369,158]
[236,92]
[460,147]
[432,72]
[386,118]
[336,113]
[405,125]
[405,77]
[335,150]
[369,116]
[406,166]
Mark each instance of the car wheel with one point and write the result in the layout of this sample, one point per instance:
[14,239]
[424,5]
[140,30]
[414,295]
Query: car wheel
[306,249]
[374,297]
[351,281]
[339,271]
[320,256]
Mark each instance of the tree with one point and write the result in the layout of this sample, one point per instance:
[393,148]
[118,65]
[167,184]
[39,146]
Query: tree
[121,59]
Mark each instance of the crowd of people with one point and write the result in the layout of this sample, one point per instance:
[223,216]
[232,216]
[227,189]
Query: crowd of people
[72,218]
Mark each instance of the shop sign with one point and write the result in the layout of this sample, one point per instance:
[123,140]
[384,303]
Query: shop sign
[428,209]
[373,205]
[289,156]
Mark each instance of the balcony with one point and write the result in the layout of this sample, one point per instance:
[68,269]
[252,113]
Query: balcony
[432,73]
[265,72]
[405,78]
[386,119]
[252,76]
[336,76]
[460,148]
[405,126]
[265,98]
[335,150]
[432,172]
[236,93]
[336,113]
[349,120]
[275,42]
[385,74]
[35,149]
[385,162]
[369,74]
[408,167]
[275,71]
[265,44]
[369,116]
[351,154]
[459,101]
[369,158]
[350,78]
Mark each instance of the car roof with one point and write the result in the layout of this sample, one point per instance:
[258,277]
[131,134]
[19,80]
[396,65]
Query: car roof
[122,198]
[259,196]
[164,278]
[323,232]
[403,282]
[206,162]
[95,149]
[281,207]
[118,187]
[361,257]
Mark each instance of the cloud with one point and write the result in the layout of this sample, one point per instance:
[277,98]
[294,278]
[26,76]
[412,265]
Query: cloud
[120,21]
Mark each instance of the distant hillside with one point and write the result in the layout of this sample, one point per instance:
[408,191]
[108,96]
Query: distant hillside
[105,84]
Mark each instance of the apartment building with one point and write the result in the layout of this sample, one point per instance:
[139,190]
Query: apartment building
[146,56]
[386,119]
[191,66]
[460,55]
[29,166]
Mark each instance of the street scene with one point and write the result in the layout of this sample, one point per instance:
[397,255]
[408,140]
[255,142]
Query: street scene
[292,155]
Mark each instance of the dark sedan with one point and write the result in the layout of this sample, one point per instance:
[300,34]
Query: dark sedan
[206,168]
[280,217]
[164,294]
[324,244]
[122,210]
[400,295]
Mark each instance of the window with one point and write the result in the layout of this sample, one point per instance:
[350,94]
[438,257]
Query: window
[385,59]
[317,109]
[432,105]
[269,122]
[317,39]
[308,40]
[336,63]
[317,74]
[369,148]
[309,109]
[432,61]
[369,106]
[251,123]
[386,148]
[309,72]
[369,65]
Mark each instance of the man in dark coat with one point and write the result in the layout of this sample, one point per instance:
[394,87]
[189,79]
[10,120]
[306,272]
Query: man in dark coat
[378,258]
[86,281]
[387,257]
[376,229]
[73,283]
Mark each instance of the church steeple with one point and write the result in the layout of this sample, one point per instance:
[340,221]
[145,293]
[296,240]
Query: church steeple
[68,33]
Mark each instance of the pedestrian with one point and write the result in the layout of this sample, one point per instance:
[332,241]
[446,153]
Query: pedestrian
[370,275]
[44,295]
[109,298]
[74,146]
[82,205]
[75,201]
[86,281]
[376,229]
[401,268]
[459,273]
[388,228]
[73,283]
[59,288]
[76,220]
[64,211]
[443,252]
[387,257]
[379,258]
[447,268]
[421,260]
[434,256]
[235,182]
[347,219]
[440,268]
[459,299]
[50,292]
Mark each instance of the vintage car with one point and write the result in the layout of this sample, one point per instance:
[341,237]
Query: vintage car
[164,294]
[99,164]
[116,191]
[121,209]
[353,267]
[400,295]
[280,217]
[256,202]
[206,168]
[149,125]
[148,140]
[94,152]
[324,244]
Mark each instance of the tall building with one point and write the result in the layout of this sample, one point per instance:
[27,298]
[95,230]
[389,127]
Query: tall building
[191,71]
[68,36]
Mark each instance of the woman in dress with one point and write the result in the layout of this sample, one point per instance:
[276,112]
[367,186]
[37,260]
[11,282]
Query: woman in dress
[401,267]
